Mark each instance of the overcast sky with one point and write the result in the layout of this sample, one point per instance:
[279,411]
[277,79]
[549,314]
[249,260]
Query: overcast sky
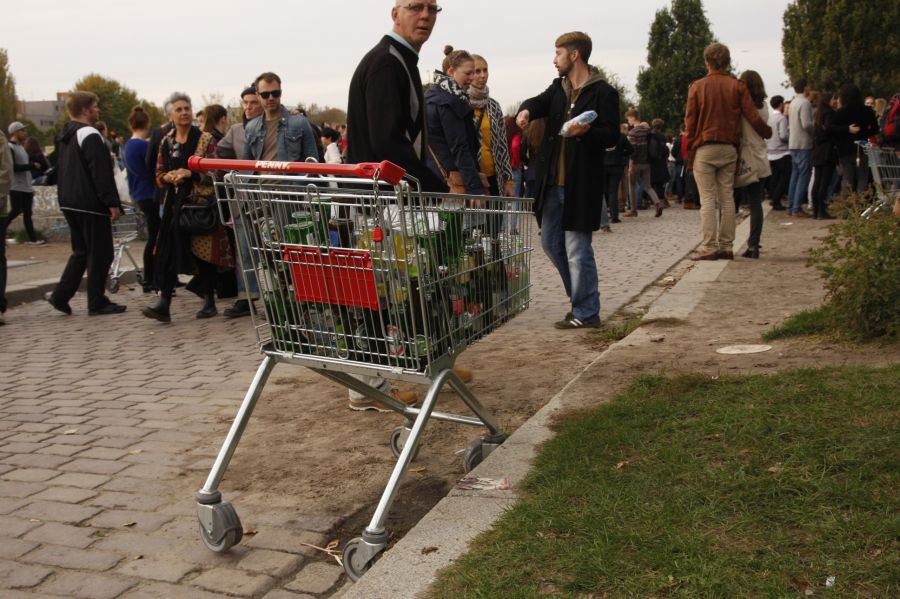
[206,47]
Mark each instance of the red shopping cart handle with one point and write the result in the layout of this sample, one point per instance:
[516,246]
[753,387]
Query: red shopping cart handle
[386,171]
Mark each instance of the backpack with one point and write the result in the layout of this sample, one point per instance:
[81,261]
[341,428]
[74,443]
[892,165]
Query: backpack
[653,148]
[890,122]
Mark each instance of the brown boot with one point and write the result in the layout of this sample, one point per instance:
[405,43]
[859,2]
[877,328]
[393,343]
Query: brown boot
[464,374]
[630,213]
[366,403]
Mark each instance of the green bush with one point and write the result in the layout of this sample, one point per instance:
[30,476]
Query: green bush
[860,262]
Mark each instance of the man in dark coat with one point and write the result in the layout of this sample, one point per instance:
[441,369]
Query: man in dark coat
[568,183]
[386,107]
[89,200]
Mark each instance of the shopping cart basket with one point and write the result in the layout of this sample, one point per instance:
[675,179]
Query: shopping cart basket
[125,230]
[361,273]
[885,165]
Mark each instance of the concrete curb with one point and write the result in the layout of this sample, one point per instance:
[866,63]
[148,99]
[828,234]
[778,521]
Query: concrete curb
[406,570]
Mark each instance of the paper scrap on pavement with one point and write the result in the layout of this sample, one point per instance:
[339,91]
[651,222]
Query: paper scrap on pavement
[474,483]
[743,349]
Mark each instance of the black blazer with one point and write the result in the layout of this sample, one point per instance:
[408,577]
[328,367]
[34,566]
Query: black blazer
[584,180]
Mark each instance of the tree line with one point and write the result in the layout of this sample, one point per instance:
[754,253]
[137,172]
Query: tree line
[828,43]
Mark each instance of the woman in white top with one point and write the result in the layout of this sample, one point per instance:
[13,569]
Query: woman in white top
[755,161]
[330,139]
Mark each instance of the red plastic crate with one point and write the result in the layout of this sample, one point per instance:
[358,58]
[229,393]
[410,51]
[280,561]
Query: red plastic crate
[341,276]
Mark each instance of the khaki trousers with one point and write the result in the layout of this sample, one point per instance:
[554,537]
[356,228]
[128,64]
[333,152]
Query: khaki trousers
[714,166]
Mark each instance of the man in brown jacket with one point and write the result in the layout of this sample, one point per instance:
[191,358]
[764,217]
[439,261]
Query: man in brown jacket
[713,122]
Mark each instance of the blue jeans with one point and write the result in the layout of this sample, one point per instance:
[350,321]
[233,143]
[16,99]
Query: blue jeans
[801,171]
[243,249]
[572,255]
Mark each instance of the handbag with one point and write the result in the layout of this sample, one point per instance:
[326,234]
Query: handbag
[199,214]
[196,218]
[744,173]
[454,179]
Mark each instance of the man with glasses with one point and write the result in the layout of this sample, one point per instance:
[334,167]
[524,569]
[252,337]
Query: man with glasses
[386,121]
[277,134]
[386,107]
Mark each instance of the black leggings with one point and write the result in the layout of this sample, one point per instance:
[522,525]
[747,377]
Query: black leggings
[150,209]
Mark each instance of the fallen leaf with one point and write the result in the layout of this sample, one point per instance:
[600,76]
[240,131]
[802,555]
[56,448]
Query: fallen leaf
[129,524]
[799,584]
[136,451]
[417,469]
[427,550]
[71,431]
[621,464]
[775,469]
[657,338]
[136,557]
[549,589]
[250,531]
[34,520]
[333,545]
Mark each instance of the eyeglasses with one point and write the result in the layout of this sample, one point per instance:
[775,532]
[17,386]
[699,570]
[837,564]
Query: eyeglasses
[275,93]
[433,9]
[176,150]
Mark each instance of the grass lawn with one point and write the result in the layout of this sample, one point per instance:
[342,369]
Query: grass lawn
[761,486]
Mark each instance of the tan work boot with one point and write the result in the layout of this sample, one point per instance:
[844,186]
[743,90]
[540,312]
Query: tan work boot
[367,403]
[464,374]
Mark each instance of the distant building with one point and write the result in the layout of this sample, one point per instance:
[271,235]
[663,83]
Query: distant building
[43,113]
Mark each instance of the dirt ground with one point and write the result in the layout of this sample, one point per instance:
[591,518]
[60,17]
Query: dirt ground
[304,451]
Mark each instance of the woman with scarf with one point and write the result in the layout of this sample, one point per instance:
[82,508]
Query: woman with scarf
[178,251]
[493,153]
[453,140]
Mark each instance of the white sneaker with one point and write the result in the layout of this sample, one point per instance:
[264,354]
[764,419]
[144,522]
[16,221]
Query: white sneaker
[39,242]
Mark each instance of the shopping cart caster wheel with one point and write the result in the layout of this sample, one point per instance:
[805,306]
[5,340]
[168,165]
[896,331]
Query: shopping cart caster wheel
[220,527]
[398,440]
[480,449]
[358,556]
[474,454]
[112,286]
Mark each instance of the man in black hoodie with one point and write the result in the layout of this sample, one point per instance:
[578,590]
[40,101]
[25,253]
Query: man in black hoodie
[89,201]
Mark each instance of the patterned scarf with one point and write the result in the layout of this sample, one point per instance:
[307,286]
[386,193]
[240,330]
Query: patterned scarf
[479,98]
[448,84]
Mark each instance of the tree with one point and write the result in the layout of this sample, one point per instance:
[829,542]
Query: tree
[116,102]
[7,92]
[678,36]
[625,99]
[842,41]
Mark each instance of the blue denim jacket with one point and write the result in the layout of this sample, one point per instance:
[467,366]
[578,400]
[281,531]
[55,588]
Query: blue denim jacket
[296,139]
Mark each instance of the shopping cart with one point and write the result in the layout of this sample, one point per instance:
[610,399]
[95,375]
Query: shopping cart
[885,165]
[361,273]
[125,230]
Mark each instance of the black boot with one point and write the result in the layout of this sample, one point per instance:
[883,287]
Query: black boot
[160,310]
[209,307]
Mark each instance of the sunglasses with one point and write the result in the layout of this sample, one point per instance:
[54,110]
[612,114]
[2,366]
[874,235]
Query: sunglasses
[433,9]
[176,150]
[275,93]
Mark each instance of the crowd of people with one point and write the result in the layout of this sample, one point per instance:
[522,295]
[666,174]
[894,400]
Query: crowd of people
[734,147]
